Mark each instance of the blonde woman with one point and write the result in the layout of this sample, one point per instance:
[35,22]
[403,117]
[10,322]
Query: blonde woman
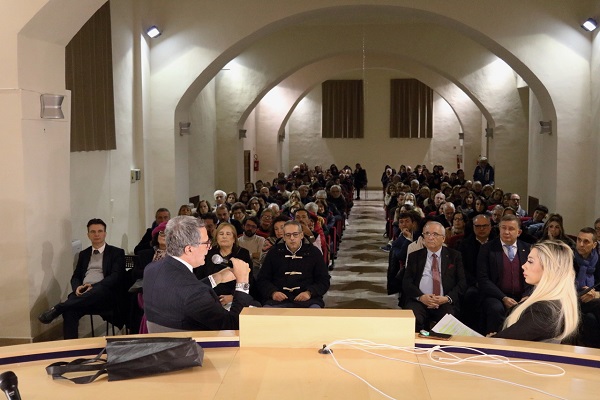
[550,314]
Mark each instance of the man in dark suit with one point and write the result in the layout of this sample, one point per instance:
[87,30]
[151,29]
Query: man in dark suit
[97,282]
[446,219]
[434,278]
[174,299]
[499,275]
[161,215]
[469,248]
[224,216]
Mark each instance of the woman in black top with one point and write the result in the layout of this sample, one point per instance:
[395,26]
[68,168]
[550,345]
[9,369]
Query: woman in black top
[551,312]
[225,245]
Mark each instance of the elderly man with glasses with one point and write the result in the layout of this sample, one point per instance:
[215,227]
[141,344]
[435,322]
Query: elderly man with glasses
[293,274]
[175,300]
[434,279]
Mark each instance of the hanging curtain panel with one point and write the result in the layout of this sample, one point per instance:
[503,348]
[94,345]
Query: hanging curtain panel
[89,77]
[343,109]
[411,109]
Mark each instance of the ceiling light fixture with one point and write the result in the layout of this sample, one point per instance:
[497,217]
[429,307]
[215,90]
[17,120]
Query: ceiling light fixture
[590,24]
[153,32]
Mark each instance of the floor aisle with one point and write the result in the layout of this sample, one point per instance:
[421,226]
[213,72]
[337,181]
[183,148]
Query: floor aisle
[359,277]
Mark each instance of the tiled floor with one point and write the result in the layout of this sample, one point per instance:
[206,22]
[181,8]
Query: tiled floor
[359,277]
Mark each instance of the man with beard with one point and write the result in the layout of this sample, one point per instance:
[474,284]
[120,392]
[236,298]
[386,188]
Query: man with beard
[252,242]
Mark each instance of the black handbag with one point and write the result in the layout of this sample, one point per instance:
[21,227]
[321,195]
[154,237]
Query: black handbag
[132,358]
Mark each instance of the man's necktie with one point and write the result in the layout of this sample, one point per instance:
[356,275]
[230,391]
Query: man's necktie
[435,273]
[511,252]
[96,251]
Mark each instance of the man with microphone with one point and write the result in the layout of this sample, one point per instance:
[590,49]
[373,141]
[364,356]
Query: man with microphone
[175,300]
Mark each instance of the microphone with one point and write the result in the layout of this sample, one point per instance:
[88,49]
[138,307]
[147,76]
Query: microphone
[217,259]
[8,384]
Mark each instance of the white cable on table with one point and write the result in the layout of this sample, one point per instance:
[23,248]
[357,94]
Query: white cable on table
[448,359]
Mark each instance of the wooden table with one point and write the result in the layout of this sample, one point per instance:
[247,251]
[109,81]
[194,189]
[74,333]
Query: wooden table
[255,372]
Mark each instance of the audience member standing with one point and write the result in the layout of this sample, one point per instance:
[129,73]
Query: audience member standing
[360,179]
[484,172]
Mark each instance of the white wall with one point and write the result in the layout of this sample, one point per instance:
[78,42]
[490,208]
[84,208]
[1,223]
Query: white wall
[376,149]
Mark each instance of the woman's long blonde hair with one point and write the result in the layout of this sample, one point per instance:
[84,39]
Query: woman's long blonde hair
[557,283]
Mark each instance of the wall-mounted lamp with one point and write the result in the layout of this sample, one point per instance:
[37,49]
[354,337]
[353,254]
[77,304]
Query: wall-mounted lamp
[546,127]
[489,132]
[242,133]
[590,25]
[153,32]
[461,138]
[136,175]
[184,128]
[51,106]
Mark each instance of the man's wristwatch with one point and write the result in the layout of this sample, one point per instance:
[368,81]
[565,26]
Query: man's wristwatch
[245,286]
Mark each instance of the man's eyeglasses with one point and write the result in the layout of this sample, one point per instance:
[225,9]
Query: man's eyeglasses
[481,226]
[432,234]
[208,244]
[289,235]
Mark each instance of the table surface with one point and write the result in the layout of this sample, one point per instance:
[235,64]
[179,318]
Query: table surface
[297,373]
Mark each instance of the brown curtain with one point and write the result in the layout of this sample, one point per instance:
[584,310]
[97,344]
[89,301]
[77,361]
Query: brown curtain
[411,109]
[89,76]
[343,109]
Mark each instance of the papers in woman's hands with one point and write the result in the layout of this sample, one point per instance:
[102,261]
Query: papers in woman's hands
[452,326]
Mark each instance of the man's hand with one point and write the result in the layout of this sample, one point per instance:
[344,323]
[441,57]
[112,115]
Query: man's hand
[241,270]
[509,302]
[267,246]
[439,300]
[303,296]
[224,275]
[407,233]
[429,300]
[278,296]
[82,289]
[225,299]
[305,229]
[591,295]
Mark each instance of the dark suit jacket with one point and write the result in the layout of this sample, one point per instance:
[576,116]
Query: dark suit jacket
[174,298]
[113,268]
[451,269]
[146,241]
[490,268]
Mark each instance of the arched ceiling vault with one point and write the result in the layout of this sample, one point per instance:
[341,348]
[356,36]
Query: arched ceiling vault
[426,37]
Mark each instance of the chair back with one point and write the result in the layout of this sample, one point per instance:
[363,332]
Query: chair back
[156,328]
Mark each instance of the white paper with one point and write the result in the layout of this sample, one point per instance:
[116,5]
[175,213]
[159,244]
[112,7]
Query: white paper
[452,326]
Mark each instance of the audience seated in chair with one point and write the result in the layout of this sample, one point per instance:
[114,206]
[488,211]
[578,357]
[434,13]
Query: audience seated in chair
[434,279]
[294,273]
[499,273]
[161,215]
[98,284]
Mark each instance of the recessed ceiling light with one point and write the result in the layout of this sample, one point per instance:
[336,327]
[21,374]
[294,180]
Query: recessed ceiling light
[153,32]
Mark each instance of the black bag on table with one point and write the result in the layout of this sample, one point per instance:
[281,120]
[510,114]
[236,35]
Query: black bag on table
[132,358]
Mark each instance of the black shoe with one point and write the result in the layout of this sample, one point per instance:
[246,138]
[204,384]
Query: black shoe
[49,315]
